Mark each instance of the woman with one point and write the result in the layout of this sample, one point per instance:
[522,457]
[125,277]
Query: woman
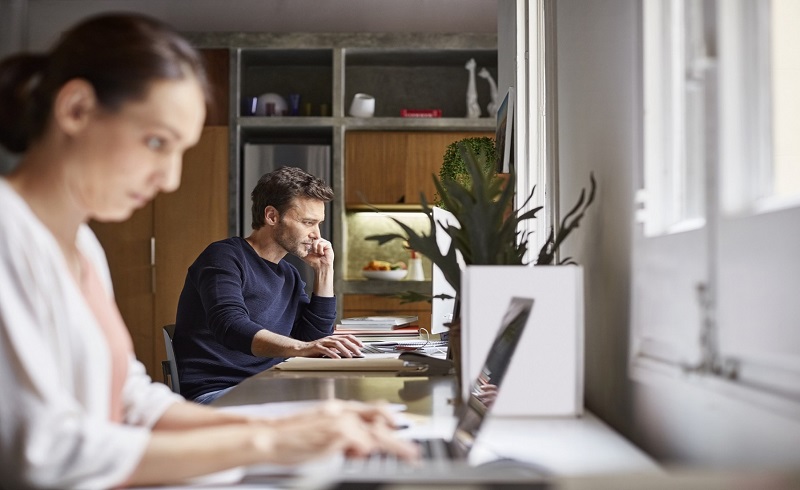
[102,122]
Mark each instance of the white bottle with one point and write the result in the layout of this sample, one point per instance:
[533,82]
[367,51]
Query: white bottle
[415,272]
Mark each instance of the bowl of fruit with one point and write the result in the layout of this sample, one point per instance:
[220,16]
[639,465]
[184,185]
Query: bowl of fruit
[387,271]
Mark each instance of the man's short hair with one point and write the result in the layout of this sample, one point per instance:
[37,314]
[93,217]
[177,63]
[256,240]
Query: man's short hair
[279,187]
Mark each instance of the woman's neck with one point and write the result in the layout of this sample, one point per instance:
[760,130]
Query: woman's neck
[41,181]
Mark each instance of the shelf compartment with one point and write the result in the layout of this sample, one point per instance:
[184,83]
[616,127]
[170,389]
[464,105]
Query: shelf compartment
[417,79]
[308,72]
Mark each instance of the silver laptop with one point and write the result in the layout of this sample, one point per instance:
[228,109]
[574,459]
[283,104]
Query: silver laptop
[484,389]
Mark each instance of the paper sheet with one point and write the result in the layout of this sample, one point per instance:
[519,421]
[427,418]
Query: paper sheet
[371,363]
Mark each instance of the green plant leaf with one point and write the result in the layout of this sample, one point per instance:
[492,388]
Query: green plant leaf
[488,231]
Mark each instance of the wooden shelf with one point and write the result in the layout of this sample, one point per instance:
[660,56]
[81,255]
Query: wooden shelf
[376,123]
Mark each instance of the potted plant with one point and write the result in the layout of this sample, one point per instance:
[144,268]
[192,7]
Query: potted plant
[455,168]
[488,231]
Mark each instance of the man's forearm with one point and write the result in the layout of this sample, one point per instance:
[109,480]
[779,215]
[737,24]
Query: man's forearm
[271,344]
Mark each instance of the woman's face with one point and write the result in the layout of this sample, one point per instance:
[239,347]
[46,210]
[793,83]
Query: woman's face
[124,158]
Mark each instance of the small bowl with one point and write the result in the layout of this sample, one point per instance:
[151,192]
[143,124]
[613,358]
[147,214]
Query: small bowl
[393,275]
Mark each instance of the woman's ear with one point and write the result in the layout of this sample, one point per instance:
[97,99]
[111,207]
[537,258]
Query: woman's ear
[73,105]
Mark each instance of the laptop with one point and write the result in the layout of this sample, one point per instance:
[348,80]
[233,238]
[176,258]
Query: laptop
[483,392]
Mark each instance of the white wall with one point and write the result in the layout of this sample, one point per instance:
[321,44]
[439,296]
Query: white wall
[675,419]
[597,49]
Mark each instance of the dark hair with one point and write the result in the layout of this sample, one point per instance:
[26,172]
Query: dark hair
[279,187]
[120,55]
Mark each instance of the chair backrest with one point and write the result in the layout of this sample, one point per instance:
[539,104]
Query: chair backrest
[170,367]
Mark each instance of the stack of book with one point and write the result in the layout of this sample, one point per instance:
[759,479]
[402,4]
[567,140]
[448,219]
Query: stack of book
[378,326]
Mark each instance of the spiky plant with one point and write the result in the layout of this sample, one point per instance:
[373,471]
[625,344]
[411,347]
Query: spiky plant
[488,232]
[489,226]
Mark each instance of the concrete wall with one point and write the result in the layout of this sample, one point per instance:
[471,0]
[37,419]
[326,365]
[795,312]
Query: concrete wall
[48,17]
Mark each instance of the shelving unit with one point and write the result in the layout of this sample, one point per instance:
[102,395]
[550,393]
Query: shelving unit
[403,70]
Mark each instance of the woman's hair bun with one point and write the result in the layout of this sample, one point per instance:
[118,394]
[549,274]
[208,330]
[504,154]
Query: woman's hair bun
[19,77]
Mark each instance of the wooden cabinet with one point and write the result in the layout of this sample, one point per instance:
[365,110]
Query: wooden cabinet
[371,305]
[149,253]
[394,167]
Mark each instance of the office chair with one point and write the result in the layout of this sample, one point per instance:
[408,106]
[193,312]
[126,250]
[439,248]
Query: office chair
[170,367]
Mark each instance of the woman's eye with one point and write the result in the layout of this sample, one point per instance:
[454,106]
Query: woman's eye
[155,143]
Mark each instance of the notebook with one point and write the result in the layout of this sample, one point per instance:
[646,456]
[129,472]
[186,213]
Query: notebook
[484,390]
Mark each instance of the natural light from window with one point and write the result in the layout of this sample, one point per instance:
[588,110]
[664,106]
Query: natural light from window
[785,60]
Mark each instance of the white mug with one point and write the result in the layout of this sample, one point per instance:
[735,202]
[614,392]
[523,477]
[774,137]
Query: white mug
[363,105]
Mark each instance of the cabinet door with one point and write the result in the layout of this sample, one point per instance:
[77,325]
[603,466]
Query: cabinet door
[425,151]
[375,167]
[127,248]
[217,68]
[187,220]
[394,167]
[148,280]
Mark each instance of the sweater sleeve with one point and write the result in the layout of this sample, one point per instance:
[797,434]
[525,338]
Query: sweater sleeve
[315,319]
[218,275]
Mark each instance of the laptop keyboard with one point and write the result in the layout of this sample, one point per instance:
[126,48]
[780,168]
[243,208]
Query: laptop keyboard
[434,452]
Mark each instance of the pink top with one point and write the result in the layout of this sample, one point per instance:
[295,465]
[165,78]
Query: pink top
[119,341]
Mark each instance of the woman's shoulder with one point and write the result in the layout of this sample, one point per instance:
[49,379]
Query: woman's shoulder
[21,228]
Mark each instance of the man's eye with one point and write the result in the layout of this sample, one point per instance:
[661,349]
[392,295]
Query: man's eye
[155,143]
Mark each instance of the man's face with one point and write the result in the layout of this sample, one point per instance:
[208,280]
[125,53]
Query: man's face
[298,227]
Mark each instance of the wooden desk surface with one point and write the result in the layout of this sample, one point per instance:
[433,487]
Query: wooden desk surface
[280,386]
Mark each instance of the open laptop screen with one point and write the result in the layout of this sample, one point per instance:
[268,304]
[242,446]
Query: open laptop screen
[486,386]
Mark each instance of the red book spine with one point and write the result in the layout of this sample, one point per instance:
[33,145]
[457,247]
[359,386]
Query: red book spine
[420,112]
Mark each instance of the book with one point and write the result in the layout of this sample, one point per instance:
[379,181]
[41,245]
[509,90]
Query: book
[403,331]
[392,363]
[378,322]
[420,113]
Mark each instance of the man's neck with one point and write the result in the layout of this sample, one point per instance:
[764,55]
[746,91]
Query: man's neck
[265,247]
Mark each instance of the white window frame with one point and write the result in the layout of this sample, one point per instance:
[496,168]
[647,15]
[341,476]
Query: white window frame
[739,343]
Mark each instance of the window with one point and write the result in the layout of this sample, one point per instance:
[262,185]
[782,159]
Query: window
[717,247]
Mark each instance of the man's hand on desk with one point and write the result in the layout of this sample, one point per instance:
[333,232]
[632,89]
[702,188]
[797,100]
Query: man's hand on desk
[333,347]
[352,428]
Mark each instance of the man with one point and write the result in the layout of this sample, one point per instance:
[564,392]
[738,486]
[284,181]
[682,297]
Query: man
[243,309]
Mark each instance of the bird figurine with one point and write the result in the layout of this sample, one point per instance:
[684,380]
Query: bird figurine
[473,109]
[492,107]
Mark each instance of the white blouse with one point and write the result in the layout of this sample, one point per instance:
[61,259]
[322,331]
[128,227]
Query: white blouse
[55,367]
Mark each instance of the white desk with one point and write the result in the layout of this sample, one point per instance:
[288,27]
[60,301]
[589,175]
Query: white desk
[566,447]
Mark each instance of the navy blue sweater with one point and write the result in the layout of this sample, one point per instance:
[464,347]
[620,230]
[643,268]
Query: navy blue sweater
[229,295]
